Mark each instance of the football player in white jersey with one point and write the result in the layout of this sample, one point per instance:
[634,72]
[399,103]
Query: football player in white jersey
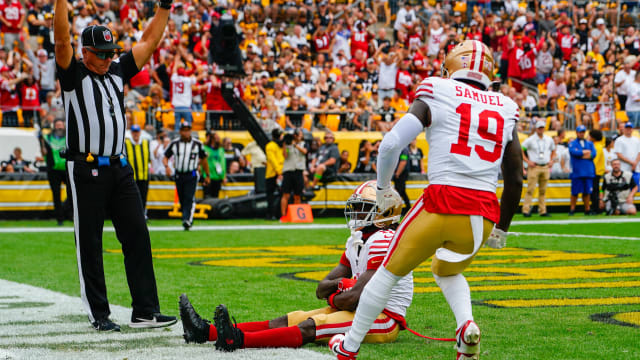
[371,234]
[472,135]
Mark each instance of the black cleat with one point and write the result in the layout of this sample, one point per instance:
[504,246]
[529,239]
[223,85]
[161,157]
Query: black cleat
[105,325]
[186,225]
[526,214]
[196,329]
[230,338]
[545,215]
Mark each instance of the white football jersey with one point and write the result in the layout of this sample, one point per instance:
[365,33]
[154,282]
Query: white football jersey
[181,90]
[370,256]
[469,131]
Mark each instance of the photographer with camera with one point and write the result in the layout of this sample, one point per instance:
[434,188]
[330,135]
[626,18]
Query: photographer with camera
[618,189]
[294,153]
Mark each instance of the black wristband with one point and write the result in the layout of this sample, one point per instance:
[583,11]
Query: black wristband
[165,4]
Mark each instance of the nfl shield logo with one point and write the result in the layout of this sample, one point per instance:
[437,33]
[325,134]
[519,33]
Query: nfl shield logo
[94,172]
[107,35]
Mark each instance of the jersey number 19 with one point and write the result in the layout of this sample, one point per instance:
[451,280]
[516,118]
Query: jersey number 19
[462,146]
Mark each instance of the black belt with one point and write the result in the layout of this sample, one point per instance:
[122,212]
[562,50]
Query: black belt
[99,160]
[545,164]
[192,172]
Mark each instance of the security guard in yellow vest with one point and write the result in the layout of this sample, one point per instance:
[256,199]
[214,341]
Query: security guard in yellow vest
[138,156]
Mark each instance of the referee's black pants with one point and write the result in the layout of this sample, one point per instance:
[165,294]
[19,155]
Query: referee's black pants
[186,184]
[272,206]
[104,191]
[143,187]
[401,187]
[56,178]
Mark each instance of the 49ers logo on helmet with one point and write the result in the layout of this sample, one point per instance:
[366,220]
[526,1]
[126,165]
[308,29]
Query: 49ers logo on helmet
[107,35]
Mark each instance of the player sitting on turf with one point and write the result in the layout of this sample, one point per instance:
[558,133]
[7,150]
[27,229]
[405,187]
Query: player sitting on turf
[365,250]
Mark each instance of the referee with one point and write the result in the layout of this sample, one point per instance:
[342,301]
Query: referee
[101,180]
[137,150]
[189,155]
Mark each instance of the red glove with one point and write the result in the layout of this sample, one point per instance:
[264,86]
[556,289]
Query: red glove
[346,284]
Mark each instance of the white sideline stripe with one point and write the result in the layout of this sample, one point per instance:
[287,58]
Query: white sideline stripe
[302,226]
[605,237]
[180,228]
[581,221]
[51,335]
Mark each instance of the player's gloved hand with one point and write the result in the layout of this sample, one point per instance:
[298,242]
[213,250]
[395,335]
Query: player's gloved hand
[387,198]
[165,4]
[497,239]
[346,284]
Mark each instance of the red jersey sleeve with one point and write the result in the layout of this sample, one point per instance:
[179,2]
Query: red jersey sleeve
[344,261]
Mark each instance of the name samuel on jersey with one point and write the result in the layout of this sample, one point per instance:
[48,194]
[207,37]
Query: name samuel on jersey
[474,95]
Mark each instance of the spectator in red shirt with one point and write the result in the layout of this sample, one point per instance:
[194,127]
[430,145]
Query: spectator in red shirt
[566,41]
[131,12]
[9,96]
[515,52]
[322,40]
[528,62]
[12,16]
[360,39]
[403,78]
[359,59]
[29,91]
[474,33]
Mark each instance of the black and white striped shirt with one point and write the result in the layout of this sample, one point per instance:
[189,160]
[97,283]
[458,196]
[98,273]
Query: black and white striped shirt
[187,154]
[94,106]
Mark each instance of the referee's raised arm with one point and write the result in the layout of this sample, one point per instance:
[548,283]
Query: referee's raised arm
[152,35]
[61,35]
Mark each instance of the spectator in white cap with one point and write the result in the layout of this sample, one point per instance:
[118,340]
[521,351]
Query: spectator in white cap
[44,70]
[539,152]
[601,35]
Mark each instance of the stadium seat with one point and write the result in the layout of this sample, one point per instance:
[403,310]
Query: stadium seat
[307,121]
[621,115]
[139,118]
[282,121]
[20,118]
[579,109]
[198,120]
[333,122]
[168,120]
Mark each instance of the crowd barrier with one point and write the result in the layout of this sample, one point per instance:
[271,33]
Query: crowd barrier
[31,192]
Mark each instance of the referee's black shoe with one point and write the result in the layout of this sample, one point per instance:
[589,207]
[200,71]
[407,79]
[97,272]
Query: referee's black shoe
[186,225]
[151,321]
[105,325]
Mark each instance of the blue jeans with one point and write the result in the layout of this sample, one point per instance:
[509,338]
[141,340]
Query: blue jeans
[634,118]
[182,112]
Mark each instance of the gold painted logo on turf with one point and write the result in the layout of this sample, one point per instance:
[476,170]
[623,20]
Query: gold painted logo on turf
[547,277]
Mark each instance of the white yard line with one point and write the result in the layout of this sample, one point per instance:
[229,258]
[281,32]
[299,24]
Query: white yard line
[36,323]
[582,236]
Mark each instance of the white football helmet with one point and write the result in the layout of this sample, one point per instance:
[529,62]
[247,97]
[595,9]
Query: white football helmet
[470,60]
[361,209]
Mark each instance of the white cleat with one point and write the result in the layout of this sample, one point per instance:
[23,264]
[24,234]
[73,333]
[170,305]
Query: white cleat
[468,341]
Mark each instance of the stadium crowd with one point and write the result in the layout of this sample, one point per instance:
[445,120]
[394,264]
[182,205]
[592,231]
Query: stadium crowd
[341,65]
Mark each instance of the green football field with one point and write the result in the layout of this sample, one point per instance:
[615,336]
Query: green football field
[565,289]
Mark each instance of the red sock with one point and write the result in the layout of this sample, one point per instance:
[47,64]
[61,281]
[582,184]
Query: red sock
[254,326]
[245,327]
[290,337]
[213,333]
